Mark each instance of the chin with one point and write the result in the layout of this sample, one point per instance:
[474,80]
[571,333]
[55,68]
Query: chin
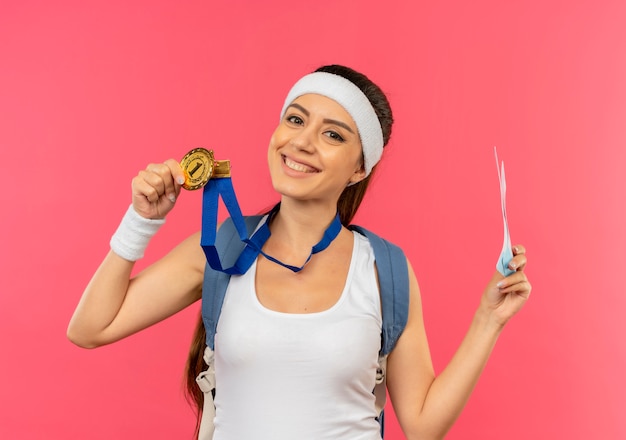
[290,189]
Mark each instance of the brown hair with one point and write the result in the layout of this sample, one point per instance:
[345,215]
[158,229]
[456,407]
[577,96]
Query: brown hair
[347,206]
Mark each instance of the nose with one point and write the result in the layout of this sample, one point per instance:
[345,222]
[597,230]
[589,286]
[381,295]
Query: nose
[302,140]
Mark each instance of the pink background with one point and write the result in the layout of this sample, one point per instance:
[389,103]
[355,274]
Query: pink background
[90,92]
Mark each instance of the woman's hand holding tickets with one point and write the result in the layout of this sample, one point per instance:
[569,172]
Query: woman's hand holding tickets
[509,288]
[505,296]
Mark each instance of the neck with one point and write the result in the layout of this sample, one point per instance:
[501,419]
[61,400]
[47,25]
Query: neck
[302,223]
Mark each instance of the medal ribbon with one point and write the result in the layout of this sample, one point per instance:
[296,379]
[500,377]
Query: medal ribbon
[224,187]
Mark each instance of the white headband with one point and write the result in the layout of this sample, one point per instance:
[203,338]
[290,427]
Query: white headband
[354,101]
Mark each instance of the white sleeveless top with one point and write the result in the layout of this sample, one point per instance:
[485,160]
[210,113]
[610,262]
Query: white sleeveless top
[283,376]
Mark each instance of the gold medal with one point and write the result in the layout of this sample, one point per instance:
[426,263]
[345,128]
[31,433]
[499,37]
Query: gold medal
[199,166]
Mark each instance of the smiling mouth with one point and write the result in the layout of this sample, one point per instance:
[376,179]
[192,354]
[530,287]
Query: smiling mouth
[296,166]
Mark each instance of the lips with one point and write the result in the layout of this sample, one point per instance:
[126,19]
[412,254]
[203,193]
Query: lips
[298,166]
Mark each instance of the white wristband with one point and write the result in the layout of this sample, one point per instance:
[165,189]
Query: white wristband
[133,235]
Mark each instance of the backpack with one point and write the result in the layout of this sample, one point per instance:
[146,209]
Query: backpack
[394,291]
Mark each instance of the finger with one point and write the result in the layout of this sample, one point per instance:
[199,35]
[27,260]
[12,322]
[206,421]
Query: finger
[155,181]
[156,176]
[148,185]
[519,249]
[523,289]
[517,282]
[518,262]
[177,178]
[164,171]
[160,176]
[176,171]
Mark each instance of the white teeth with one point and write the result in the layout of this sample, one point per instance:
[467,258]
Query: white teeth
[298,167]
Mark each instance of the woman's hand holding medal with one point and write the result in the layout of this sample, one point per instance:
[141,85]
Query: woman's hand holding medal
[155,189]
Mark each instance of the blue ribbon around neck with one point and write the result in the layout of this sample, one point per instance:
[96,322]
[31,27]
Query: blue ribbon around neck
[254,245]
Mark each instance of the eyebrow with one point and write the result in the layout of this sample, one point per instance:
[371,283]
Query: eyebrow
[326,120]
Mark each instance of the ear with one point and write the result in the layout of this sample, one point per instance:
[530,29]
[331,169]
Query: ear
[358,175]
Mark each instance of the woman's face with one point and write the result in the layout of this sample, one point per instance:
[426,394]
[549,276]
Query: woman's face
[315,151]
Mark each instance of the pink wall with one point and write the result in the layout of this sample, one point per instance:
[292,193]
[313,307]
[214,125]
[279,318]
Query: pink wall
[90,92]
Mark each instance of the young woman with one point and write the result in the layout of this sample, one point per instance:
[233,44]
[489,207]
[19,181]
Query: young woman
[296,353]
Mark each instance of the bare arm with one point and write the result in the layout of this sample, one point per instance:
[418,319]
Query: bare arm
[427,406]
[113,305]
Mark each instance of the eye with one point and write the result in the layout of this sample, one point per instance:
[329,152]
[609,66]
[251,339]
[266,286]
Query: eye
[334,135]
[295,119]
